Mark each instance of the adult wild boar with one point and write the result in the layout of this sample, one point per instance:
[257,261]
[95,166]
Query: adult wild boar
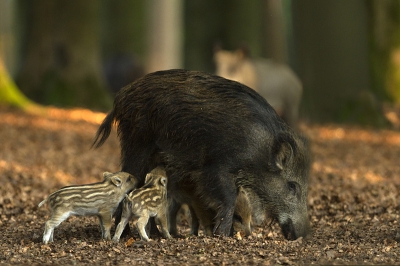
[217,135]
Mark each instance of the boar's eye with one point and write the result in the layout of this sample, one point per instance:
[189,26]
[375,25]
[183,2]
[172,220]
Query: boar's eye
[292,186]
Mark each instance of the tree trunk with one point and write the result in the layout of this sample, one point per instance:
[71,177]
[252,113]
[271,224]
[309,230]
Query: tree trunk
[164,34]
[10,94]
[7,35]
[229,23]
[124,29]
[275,31]
[62,64]
[385,48]
[201,35]
[123,42]
[332,42]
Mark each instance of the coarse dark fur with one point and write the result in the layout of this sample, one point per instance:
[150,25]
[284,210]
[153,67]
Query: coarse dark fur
[215,135]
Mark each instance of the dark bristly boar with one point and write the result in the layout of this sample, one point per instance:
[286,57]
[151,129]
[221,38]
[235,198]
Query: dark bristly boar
[217,135]
[100,199]
[274,81]
[143,203]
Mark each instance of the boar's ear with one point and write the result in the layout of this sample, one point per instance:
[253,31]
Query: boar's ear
[283,156]
[283,150]
[217,47]
[243,51]
[116,181]
[163,181]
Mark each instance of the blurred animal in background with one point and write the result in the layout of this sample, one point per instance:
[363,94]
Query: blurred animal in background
[276,82]
[122,69]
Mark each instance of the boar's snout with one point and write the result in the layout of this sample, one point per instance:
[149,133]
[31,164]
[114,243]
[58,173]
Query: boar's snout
[293,229]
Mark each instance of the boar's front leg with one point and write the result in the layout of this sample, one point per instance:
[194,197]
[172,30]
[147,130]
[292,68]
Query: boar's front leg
[223,195]
[223,220]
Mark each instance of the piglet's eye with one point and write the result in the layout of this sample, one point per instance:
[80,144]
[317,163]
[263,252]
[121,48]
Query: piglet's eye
[292,186]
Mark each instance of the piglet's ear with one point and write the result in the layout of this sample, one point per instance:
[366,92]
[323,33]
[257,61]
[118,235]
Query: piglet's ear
[148,177]
[106,174]
[116,181]
[163,181]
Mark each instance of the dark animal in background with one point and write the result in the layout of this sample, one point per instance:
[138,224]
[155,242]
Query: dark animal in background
[122,69]
[217,135]
[276,82]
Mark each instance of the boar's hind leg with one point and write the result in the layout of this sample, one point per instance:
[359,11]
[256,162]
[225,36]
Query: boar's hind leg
[52,223]
[120,227]
[162,220]
[194,230]
[125,231]
[140,225]
[173,209]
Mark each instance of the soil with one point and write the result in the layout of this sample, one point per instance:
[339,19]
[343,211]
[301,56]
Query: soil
[353,200]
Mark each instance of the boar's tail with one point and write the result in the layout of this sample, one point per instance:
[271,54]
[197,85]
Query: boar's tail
[104,130]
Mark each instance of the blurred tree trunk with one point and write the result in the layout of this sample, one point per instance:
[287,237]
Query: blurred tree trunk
[123,41]
[7,36]
[124,27]
[201,34]
[164,34]
[275,31]
[10,94]
[385,47]
[62,64]
[229,23]
[245,25]
[332,49]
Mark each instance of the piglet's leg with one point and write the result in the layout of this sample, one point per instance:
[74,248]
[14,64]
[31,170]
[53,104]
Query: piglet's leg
[53,222]
[105,224]
[120,228]
[141,224]
[161,219]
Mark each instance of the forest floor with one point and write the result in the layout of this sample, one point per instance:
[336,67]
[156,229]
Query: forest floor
[354,200]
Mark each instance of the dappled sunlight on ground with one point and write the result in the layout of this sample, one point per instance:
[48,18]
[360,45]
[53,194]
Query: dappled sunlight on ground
[76,115]
[353,198]
[355,154]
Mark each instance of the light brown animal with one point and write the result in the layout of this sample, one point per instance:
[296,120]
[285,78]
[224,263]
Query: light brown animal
[244,210]
[100,199]
[276,82]
[145,202]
